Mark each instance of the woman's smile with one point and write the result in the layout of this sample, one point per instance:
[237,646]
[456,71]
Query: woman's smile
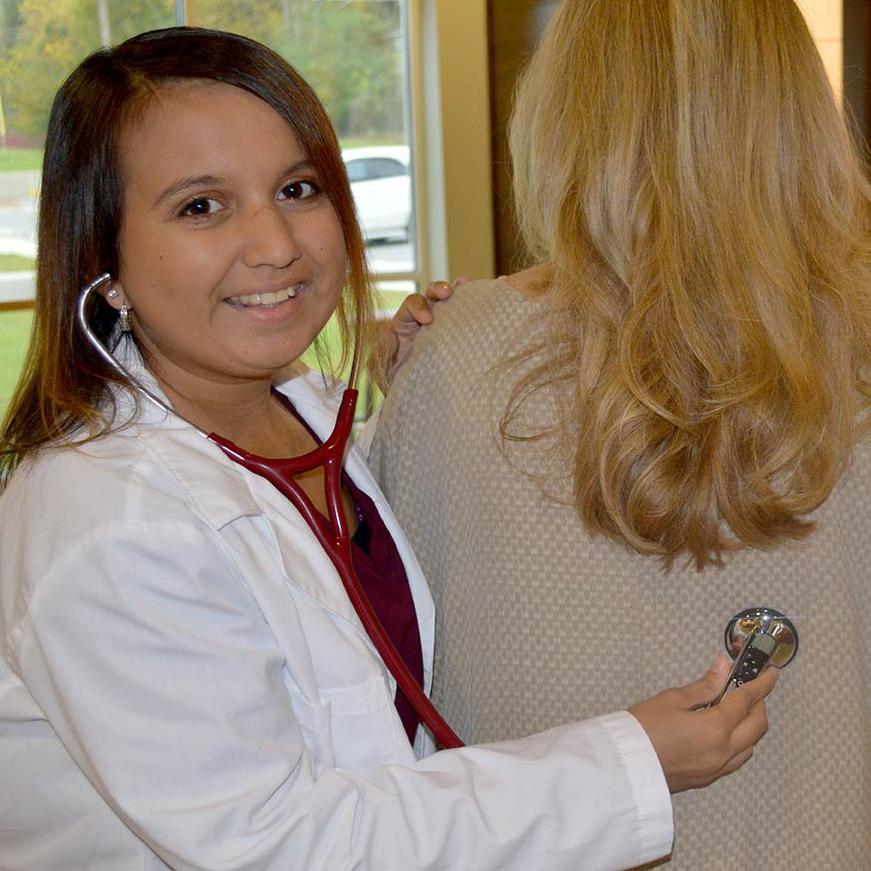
[267,298]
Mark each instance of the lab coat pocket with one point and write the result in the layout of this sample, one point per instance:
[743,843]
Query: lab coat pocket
[365,727]
[314,723]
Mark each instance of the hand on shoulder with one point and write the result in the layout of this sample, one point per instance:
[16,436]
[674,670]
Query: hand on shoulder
[398,334]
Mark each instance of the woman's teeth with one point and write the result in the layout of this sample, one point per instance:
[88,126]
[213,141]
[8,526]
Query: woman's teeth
[264,298]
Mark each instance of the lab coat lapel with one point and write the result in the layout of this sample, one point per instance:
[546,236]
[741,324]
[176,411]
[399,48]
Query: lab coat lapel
[223,492]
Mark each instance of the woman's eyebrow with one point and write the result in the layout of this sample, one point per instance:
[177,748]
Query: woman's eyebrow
[207,180]
[184,183]
[304,164]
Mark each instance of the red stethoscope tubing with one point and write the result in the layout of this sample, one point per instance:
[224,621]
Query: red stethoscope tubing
[335,540]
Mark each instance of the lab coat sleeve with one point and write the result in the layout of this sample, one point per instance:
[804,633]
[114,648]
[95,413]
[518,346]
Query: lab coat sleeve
[156,669]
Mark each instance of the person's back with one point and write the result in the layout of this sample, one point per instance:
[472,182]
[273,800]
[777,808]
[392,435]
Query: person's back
[540,623]
[670,423]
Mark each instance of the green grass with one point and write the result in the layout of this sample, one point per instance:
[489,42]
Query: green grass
[20,159]
[14,336]
[16,263]
[31,158]
[366,141]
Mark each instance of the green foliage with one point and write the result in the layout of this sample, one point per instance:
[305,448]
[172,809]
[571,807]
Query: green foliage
[52,36]
[350,51]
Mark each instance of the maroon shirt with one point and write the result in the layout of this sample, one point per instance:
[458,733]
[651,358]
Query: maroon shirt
[379,568]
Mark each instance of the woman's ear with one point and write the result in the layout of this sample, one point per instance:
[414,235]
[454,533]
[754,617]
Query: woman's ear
[115,296]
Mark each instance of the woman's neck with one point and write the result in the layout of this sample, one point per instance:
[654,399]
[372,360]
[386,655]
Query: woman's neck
[532,283]
[245,412]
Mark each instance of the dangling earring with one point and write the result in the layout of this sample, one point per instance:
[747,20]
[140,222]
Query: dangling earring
[123,313]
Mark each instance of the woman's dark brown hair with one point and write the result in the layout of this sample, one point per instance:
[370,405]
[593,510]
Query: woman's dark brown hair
[62,394]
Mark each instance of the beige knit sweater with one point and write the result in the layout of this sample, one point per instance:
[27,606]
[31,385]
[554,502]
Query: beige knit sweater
[539,624]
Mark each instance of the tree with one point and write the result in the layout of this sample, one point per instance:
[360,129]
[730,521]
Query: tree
[52,36]
[347,49]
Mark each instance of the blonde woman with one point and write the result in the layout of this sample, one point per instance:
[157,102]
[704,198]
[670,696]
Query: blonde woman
[602,459]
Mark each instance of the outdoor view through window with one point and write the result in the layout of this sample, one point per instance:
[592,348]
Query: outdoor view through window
[352,51]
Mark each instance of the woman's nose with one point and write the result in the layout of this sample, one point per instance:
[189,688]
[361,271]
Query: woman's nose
[269,239]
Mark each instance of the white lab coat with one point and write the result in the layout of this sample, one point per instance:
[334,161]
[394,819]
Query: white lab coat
[184,684]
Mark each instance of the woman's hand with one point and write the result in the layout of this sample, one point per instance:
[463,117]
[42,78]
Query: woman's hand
[696,747]
[398,334]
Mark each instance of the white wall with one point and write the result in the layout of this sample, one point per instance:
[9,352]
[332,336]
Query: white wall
[454,131]
[825,19]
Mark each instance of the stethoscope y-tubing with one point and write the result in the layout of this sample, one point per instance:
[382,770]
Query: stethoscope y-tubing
[336,542]
[331,533]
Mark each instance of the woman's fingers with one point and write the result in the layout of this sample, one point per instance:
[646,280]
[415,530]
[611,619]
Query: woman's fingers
[415,311]
[399,333]
[739,702]
[416,308]
[745,711]
[439,291]
[696,747]
[709,686]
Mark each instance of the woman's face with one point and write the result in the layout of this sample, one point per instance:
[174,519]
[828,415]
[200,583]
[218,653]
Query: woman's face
[231,257]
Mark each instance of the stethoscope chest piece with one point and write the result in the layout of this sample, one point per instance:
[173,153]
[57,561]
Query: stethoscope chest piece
[767,621]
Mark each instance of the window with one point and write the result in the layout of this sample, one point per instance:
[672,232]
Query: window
[357,170]
[354,52]
[375,168]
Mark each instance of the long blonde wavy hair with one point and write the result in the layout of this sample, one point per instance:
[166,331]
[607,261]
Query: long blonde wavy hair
[683,166]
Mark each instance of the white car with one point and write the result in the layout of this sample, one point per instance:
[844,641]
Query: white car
[380,179]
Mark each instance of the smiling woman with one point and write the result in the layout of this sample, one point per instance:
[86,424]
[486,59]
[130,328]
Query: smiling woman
[195,226]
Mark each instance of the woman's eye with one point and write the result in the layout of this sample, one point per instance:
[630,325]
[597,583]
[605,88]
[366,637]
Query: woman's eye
[200,207]
[299,190]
